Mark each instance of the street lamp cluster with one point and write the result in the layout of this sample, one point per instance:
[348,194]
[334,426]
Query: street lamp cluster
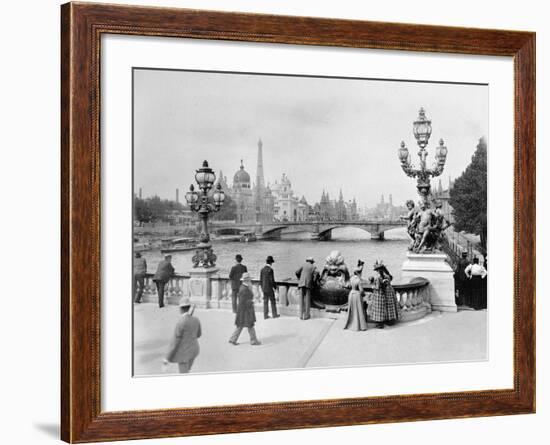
[422,130]
[201,203]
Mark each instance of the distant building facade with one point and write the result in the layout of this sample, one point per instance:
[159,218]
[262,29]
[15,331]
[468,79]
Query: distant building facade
[336,210]
[386,210]
[288,207]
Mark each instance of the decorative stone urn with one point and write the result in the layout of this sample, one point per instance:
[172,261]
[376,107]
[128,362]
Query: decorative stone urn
[332,293]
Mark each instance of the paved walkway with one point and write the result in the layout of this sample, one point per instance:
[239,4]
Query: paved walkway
[288,342]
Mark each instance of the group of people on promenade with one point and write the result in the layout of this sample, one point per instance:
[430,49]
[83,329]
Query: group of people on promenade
[184,346]
[471,282]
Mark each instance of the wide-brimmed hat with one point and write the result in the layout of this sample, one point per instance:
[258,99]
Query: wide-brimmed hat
[246,276]
[269,259]
[239,257]
[310,259]
[184,302]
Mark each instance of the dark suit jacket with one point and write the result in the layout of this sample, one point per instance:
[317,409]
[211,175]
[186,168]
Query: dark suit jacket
[235,275]
[245,317]
[267,280]
[184,345]
[307,275]
[165,270]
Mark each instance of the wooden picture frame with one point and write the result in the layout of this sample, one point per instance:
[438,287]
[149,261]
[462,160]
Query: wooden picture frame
[82,26]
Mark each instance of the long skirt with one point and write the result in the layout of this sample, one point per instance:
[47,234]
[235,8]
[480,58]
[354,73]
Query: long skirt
[384,304]
[356,316]
[478,292]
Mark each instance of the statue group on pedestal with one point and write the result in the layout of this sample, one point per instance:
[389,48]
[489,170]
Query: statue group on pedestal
[425,226]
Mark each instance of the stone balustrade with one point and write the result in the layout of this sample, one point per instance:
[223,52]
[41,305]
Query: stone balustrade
[413,297]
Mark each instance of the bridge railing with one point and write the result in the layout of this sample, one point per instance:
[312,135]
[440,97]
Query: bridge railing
[413,297]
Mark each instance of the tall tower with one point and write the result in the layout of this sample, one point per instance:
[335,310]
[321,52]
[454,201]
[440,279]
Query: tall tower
[260,167]
[178,196]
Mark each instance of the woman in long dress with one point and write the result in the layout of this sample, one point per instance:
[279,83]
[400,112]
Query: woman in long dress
[477,274]
[356,316]
[384,309]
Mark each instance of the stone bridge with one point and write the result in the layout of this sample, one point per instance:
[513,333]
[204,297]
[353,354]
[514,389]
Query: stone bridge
[320,230]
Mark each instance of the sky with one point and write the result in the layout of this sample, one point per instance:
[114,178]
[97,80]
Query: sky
[324,133]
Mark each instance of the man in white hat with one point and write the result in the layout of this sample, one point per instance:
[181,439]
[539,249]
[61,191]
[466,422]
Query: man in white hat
[245,318]
[184,347]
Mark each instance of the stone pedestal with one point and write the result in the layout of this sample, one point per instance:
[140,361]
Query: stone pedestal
[200,286]
[433,267]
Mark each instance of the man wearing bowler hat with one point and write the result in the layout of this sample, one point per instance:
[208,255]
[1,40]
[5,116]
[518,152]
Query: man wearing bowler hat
[267,281]
[307,275]
[235,277]
[184,347]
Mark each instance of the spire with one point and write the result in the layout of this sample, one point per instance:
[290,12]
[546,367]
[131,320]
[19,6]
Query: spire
[382,199]
[260,167]
[391,199]
[340,196]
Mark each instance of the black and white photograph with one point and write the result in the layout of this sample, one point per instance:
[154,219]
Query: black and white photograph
[295,222]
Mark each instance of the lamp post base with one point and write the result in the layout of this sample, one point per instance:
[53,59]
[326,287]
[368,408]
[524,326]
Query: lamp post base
[200,286]
[433,267]
[204,256]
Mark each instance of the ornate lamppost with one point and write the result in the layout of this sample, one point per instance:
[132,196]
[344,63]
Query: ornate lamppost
[199,202]
[422,130]
[426,225]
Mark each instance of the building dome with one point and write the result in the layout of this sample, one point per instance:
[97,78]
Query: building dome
[241,177]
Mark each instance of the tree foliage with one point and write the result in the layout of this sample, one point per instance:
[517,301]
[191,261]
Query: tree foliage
[468,196]
[154,209]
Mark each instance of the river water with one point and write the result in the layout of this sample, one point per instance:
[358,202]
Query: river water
[290,253]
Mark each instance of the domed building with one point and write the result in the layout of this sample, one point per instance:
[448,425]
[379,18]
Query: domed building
[243,196]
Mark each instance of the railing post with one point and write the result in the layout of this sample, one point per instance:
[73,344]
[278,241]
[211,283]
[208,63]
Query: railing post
[216,291]
[200,286]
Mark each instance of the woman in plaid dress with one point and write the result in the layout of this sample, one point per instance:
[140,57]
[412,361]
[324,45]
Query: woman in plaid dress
[384,308]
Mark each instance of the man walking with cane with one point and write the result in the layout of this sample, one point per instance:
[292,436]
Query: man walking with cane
[184,347]
[245,318]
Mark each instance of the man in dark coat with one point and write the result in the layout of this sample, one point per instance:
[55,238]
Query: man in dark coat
[461,280]
[235,276]
[267,281]
[307,276]
[140,270]
[245,318]
[165,271]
